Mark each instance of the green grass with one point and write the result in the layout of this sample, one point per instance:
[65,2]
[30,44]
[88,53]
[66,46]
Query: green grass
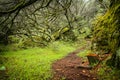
[86,48]
[84,53]
[33,64]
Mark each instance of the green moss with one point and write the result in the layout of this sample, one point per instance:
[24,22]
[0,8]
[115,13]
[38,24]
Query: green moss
[106,30]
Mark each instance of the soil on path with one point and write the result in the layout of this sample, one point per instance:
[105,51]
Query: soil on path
[72,67]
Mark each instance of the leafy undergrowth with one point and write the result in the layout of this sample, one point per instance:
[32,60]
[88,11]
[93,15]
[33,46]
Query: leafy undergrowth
[107,73]
[33,64]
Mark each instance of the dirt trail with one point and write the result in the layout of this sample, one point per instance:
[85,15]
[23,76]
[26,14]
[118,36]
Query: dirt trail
[72,67]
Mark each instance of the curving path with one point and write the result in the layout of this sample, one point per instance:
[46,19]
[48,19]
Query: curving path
[72,67]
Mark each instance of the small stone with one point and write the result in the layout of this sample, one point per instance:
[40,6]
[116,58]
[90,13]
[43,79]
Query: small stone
[58,69]
[83,71]
[94,78]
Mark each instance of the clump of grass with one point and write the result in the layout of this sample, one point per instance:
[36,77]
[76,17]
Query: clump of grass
[84,53]
[35,63]
[106,72]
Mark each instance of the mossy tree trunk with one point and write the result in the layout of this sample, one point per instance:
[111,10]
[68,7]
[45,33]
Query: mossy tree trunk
[115,9]
[106,33]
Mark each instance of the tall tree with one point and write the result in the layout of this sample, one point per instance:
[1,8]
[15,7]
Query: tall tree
[19,17]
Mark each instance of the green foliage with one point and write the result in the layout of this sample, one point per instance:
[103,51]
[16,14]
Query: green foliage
[28,43]
[107,73]
[84,53]
[34,63]
[115,60]
[12,47]
[2,68]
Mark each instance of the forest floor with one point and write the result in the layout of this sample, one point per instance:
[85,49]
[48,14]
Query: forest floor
[73,67]
[58,61]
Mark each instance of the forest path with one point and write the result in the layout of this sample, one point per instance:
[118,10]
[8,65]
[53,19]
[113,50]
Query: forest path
[72,67]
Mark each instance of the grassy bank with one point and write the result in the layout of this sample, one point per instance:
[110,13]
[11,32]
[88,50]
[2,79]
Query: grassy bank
[35,63]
